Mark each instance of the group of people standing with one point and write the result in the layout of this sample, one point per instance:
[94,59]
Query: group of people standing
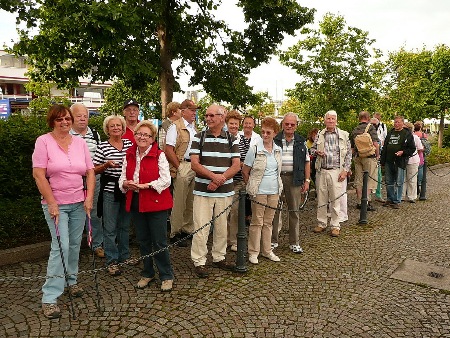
[133,175]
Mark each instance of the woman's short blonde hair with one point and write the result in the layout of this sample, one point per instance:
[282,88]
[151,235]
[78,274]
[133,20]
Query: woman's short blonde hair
[148,124]
[114,117]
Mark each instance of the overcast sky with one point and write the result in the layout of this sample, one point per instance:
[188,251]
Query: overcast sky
[392,23]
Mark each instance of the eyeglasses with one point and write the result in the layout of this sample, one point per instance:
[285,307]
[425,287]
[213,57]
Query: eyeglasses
[212,115]
[289,124]
[132,110]
[60,119]
[141,135]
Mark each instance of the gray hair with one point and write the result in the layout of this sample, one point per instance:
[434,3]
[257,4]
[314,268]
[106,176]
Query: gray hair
[114,117]
[331,113]
[291,114]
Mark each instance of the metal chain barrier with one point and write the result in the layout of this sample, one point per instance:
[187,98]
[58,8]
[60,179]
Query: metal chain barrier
[235,200]
[434,173]
[93,271]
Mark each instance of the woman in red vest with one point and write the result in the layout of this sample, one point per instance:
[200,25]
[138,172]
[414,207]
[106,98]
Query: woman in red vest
[146,179]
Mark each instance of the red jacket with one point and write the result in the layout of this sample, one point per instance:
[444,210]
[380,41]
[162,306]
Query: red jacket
[149,199]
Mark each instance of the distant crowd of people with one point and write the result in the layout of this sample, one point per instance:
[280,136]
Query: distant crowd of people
[146,176]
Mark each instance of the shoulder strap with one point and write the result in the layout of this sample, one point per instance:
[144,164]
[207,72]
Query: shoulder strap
[201,142]
[367,127]
[95,135]
[230,142]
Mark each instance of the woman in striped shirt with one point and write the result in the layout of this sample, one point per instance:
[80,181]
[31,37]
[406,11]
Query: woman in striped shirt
[108,161]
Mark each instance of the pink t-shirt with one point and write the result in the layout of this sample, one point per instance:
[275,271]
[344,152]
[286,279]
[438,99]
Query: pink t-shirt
[64,170]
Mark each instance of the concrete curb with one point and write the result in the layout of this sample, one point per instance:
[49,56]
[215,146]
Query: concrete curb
[25,253]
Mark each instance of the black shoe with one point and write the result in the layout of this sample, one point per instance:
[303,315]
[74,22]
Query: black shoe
[358,206]
[178,242]
[371,208]
[224,265]
[201,271]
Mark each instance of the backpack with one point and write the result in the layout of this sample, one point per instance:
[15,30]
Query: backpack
[426,145]
[96,135]
[364,143]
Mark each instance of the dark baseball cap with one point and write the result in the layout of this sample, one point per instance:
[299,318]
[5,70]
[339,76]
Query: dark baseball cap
[130,102]
[188,104]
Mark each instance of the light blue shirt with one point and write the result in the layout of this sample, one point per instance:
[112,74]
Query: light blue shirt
[269,182]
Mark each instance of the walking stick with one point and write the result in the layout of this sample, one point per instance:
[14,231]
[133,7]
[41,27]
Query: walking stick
[66,276]
[89,239]
[93,263]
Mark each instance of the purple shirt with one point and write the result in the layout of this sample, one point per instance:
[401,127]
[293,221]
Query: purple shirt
[63,170]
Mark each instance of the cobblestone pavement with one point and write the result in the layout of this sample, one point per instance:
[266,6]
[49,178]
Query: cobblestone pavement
[339,287]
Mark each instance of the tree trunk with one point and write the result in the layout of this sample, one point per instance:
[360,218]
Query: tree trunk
[441,129]
[166,78]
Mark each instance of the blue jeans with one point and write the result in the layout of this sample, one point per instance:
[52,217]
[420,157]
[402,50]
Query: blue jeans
[116,227]
[394,182]
[71,222]
[419,177]
[96,222]
[151,233]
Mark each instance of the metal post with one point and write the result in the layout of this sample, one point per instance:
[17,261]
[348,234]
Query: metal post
[241,262]
[363,212]
[423,186]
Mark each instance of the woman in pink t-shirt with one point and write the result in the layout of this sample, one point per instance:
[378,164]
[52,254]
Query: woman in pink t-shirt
[60,161]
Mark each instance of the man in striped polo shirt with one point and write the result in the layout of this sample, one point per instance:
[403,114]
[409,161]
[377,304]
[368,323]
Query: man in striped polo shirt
[80,128]
[215,158]
[295,174]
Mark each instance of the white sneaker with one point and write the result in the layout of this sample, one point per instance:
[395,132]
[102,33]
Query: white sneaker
[296,249]
[273,257]
[253,259]
[233,247]
[274,245]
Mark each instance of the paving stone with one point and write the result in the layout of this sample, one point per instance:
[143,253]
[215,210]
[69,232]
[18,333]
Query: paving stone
[339,287]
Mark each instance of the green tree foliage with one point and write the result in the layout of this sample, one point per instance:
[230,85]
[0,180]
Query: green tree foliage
[147,97]
[262,107]
[137,42]
[419,84]
[293,105]
[334,64]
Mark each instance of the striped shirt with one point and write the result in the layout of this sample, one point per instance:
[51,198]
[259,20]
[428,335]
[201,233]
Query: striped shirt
[106,152]
[216,156]
[244,146]
[287,159]
[89,138]
[332,152]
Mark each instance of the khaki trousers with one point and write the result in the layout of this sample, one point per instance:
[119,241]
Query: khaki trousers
[328,191]
[260,230]
[293,196]
[181,218]
[233,217]
[205,209]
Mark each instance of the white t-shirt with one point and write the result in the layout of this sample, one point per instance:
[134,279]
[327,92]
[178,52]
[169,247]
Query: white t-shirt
[415,159]
[171,136]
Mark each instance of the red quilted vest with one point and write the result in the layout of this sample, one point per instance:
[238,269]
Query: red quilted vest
[149,199]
